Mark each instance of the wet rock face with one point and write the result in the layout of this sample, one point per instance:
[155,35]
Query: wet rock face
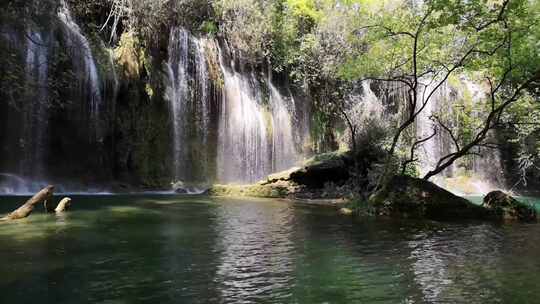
[506,207]
[405,196]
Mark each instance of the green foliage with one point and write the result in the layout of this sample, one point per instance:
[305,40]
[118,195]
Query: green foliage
[209,27]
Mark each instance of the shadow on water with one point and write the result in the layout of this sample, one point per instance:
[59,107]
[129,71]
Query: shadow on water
[173,249]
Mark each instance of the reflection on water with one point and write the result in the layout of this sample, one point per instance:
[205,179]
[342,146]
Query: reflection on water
[256,251]
[170,249]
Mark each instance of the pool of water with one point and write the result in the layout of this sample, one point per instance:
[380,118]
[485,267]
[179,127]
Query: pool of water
[171,249]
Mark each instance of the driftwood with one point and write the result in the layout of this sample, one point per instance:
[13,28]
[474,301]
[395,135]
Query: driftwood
[64,205]
[23,211]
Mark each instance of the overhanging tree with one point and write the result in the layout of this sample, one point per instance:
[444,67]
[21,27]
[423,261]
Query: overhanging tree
[421,46]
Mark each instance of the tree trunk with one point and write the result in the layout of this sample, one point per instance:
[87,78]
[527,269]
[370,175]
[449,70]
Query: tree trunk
[23,211]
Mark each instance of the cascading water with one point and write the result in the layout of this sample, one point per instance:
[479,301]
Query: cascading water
[480,173]
[189,93]
[244,153]
[32,139]
[432,150]
[237,135]
[36,116]
[255,138]
[177,94]
[284,152]
[40,157]
[84,66]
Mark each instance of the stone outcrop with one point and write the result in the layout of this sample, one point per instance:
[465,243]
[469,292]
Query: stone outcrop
[405,196]
[317,171]
[305,181]
[505,207]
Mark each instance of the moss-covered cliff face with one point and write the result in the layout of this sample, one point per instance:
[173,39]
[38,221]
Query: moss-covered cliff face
[142,138]
[142,128]
[56,112]
[72,110]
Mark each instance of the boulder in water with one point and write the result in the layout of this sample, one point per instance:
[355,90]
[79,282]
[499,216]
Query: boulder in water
[506,207]
[406,196]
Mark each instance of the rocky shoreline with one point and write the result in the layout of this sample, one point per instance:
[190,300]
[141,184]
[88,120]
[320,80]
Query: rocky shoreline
[325,180]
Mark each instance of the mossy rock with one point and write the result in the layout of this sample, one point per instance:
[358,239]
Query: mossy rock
[276,190]
[317,171]
[508,208]
[405,196]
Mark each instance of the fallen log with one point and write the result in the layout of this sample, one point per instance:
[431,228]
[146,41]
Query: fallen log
[23,211]
[64,204]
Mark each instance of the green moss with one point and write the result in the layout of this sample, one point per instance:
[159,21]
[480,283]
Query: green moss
[128,55]
[209,27]
[268,121]
[256,190]
[404,196]
[327,157]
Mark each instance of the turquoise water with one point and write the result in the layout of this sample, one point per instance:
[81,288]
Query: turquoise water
[167,249]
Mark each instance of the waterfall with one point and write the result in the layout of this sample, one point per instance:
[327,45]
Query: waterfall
[36,164]
[189,94]
[256,134]
[432,150]
[31,135]
[34,140]
[241,134]
[244,154]
[84,66]
[284,152]
[477,174]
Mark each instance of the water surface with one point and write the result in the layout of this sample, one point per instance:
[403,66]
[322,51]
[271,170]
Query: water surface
[171,249]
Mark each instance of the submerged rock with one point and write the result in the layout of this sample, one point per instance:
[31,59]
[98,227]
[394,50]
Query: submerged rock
[406,196]
[506,207]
